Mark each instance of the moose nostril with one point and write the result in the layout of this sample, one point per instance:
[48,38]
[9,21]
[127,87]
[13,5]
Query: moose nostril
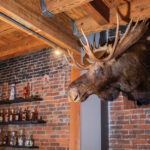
[76,98]
[73,94]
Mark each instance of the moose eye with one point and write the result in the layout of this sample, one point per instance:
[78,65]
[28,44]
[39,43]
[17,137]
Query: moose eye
[98,70]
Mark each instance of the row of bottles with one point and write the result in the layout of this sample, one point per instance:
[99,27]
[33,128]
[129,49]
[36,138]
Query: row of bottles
[14,138]
[11,115]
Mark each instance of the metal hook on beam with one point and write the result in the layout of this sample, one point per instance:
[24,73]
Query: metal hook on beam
[44,10]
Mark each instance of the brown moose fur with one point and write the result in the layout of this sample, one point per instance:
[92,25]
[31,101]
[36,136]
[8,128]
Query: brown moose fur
[129,73]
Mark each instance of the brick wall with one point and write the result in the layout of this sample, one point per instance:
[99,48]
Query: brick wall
[129,125]
[49,77]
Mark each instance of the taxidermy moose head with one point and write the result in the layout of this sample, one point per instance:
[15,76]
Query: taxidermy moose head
[124,67]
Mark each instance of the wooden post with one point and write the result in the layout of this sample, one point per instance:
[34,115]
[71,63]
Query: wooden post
[75,114]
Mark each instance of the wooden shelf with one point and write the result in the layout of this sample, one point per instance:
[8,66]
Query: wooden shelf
[23,122]
[19,146]
[19,100]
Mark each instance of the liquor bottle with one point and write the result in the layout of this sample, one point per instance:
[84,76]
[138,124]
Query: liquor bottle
[35,114]
[20,114]
[6,116]
[29,142]
[31,115]
[1,137]
[10,114]
[15,139]
[14,115]
[1,115]
[27,114]
[21,139]
[24,115]
[11,142]
[5,139]
[17,115]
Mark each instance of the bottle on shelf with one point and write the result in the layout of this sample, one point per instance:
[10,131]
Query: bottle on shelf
[31,115]
[14,115]
[1,115]
[17,115]
[21,139]
[6,116]
[5,139]
[27,114]
[1,137]
[24,115]
[29,142]
[35,114]
[20,114]
[10,114]
[11,141]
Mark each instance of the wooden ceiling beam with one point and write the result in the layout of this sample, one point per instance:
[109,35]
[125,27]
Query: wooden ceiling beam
[24,46]
[135,9]
[55,6]
[40,24]
[98,11]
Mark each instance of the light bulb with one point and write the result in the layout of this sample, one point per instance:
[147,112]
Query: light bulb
[57,52]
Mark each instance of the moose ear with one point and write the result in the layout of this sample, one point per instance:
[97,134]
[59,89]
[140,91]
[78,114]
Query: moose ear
[88,61]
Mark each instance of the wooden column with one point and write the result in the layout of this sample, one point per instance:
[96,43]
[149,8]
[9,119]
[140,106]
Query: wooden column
[75,114]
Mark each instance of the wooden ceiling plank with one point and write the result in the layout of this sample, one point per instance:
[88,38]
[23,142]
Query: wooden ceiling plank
[98,11]
[28,44]
[45,27]
[138,9]
[55,6]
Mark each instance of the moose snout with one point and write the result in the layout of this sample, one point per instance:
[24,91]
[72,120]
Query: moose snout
[73,95]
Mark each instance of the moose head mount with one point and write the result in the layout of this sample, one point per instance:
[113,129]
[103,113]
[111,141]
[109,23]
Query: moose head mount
[123,67]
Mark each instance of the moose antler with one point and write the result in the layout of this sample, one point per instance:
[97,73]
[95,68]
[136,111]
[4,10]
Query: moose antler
[128,39]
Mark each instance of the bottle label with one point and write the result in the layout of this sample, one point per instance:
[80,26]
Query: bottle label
[17,117]
[11,141]
[24,116]
[20,141]
[10,118]
[1,118]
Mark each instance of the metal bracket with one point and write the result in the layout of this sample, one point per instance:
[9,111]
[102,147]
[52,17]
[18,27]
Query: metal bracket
[44,10]
[75,29]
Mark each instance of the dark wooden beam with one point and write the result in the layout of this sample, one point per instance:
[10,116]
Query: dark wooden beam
[98,11]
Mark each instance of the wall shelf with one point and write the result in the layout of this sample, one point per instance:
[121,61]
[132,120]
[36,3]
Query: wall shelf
[23,122]
[19,100]
[19,146]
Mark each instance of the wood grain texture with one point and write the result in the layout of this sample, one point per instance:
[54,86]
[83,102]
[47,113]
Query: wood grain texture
[98,11]
[55,6]
[75,114]
[135,9]
[20,47]
[29,15]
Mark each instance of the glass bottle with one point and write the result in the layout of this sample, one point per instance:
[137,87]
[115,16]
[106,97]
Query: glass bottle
[15,139]
[24,115]
[14,115]
[1,137]
[27,114]
[35,114]
[31,115]
[17,115]
[11,142]
[5,139]
[10,112]
[21,139]
[1,115]
[6,116]
[20,114]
